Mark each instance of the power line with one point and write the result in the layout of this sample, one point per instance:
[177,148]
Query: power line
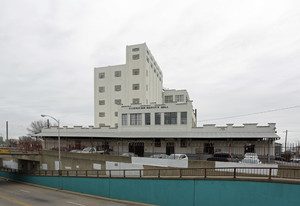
[243,115]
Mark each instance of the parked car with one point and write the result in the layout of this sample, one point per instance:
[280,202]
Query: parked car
[251,160]
[89,150]
[222,157]
[178,156]
[76,151]
[129,154]
[295,159]
[160,156]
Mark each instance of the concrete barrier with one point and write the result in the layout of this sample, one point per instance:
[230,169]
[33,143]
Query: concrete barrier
[174,192]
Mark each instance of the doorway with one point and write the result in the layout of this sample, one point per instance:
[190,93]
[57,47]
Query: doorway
[170,148]
[136,148]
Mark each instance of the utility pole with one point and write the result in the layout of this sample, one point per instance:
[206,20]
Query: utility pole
[6,131]
[286,133]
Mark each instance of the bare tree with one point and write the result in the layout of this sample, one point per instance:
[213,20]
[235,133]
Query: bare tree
[37,126]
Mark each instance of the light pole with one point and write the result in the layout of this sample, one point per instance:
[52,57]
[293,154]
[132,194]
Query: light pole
[286,133]
[59,159]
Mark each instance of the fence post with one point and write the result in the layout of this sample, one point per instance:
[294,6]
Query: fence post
[204,172]
[180,173]
[140,173]
[76,173]
[158,173]
[86,173]
[97,173]
[109,173]
[124,174]
[234,172]
[270,173]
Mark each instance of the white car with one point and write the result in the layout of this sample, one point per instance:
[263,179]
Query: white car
[89,150]
[128,154]
[178,156]
[160,156]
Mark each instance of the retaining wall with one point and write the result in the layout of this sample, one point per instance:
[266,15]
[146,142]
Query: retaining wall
[174,192]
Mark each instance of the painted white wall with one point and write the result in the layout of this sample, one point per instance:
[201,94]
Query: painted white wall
[149,80]
[248,165]
[119,166]
[160,162]
[10,164]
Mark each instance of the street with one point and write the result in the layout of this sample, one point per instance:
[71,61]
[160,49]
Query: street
[14,193]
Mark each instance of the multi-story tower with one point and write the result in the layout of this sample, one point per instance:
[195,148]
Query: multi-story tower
[139,81]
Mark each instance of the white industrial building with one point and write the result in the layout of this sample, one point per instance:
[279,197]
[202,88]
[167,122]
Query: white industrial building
[133,112]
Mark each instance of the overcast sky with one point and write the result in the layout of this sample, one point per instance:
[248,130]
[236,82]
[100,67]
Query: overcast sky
[233,57]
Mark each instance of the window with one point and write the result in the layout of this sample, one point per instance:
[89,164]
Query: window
[135,71]
[124,119]
[147,52]
[147,59]
[135,57]
[116,114]
[135,49]
[135,101]
[170,118]
[118,101]
[147,119]
[168,99]
[157,118]
[117,73]
[135,86]
[208,148]
[157,143]
[136,119]
[249,148]
[101,75]
[183,143]
[102,102]
[179,98]
[117,88]
[101,89]
[102,114]
[183,117]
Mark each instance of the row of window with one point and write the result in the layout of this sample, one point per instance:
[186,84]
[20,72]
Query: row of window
[170,118]
[119,88]
[119,73]
[137,56]
[117,102]
[178,98]
[183,143]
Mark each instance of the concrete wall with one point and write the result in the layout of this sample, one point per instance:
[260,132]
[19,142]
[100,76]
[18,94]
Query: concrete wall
[175,192]
[79,161]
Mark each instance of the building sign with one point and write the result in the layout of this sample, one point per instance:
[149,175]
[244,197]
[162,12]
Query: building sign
[150,107]
[5,151]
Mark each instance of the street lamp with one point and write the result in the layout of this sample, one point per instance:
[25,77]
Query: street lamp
[59,159]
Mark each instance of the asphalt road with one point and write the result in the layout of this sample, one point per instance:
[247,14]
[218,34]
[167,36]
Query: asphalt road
[16,194]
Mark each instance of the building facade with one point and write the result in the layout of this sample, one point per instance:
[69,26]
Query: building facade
[139,81]
[133,113]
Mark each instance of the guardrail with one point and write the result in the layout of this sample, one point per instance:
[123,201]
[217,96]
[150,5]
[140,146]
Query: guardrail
[182,173]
